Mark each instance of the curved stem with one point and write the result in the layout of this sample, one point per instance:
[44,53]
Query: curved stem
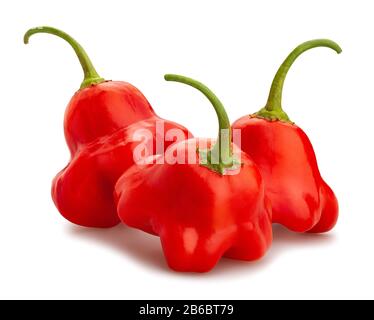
[221,155]
[90,74]
[273,109]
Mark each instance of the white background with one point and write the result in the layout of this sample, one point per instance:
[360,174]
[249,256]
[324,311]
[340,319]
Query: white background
[235,48]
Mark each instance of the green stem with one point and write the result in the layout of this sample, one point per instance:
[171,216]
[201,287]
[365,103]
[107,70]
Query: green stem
[220,157]
[90,74]
[273,109]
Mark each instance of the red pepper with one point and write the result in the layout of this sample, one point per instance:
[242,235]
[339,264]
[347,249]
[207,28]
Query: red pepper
[100,122]
[201,210]
[301,200]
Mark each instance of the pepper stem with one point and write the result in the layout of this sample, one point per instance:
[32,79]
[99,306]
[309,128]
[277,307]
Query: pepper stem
[220,156]
[273,109]
[90,74]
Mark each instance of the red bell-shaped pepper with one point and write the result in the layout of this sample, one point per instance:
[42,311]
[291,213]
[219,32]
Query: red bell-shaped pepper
[100,123]
[209,204]
[300,198]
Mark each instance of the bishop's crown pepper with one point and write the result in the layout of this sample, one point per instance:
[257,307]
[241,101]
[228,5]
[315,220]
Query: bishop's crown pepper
[202,210]
[301,200]
[100,122]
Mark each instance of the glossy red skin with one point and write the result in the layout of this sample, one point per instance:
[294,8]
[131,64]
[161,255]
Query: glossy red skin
[102,109]
[199,215]
[300,198]
[83,191]
[99,123]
